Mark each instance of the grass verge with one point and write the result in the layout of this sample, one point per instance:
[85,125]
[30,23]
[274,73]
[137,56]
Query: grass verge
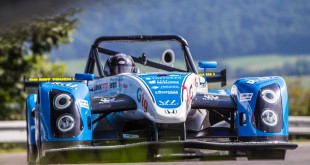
[12,147]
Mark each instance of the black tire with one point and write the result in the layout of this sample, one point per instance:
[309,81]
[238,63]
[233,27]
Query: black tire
[266,154]
[31,148]
[31,154]
[38,139]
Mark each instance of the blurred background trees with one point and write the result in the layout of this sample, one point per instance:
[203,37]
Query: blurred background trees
[299,98]
[213,29]
[23,49]
[249,38]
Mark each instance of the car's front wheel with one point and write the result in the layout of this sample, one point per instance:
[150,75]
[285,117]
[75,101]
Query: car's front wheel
[31,154]
[32,151]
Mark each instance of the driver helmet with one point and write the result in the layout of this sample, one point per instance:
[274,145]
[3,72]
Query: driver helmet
[119,63]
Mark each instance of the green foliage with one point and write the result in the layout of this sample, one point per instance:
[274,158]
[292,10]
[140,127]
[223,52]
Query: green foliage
[299,98]
[42,67]
[22,51]
[12,147]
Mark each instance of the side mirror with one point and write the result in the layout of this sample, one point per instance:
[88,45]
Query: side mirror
[84,76]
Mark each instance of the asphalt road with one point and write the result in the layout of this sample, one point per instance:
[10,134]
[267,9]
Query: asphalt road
[294,157]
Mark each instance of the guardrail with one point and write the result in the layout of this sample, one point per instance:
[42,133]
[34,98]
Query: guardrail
[15,131]
[299,125]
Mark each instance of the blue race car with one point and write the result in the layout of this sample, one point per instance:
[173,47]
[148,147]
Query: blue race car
[142,98]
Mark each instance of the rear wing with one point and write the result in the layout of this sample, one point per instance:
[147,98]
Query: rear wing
[212,77]
[33,82]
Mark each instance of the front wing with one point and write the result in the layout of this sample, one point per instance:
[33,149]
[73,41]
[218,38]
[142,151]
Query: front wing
[151,151]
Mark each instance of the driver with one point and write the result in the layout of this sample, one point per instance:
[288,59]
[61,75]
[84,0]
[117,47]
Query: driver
[119,63]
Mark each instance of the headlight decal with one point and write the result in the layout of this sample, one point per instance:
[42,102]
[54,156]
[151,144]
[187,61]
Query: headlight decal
[269,117]
[65,119]
[268,109]
[270,96]
[65,123]
[62,101]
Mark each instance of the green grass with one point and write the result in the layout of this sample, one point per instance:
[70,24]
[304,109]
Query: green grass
[13,150]
[12,147]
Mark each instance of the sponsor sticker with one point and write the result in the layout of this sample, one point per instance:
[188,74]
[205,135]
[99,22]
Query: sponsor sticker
[155,87]
[113,85]
[167,82]
[169,87]
[152,82]
[83,103]
[104,86]
[261,80]
[97,88]
[210,97]
[245,97]
[167,92]
[171,111]
[106,100]
[168,102]
[66,85]
[43,79]
[141,99]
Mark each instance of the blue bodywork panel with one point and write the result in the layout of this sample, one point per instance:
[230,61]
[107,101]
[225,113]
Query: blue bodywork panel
[80,93]
[247,93]
[31,104]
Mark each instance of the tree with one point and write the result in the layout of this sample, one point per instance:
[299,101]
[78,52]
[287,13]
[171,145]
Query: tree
[22,52]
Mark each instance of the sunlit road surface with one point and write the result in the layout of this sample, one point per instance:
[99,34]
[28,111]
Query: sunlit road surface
[293,157]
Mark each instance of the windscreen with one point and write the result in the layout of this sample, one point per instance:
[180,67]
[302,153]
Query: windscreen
[152,50]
